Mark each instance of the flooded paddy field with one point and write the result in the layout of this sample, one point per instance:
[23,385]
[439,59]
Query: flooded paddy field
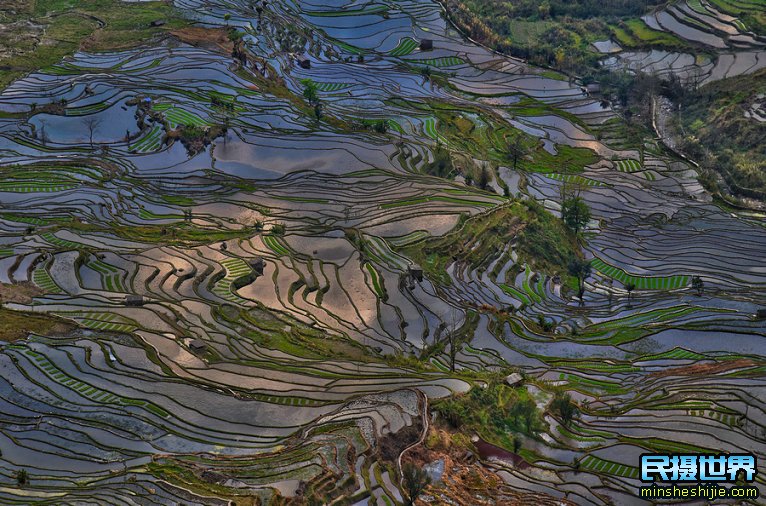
[250,317]
[723,45]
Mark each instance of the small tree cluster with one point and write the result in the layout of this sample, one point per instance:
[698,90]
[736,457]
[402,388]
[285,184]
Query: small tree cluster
[22,477]
[580,269]
[311,94]
[575,213]
[564,407]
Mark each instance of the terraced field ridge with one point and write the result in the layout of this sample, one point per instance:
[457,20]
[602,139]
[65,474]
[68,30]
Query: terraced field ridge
[307,247]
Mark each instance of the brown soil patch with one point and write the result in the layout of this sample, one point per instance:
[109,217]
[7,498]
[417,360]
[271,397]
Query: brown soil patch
[465,480]
[393,444]
[19,324]
[20,293]
[216,39]
[707,369]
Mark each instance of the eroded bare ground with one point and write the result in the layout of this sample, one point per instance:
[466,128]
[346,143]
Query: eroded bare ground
[18,33]
[459,478]
[21,293]
[216,39]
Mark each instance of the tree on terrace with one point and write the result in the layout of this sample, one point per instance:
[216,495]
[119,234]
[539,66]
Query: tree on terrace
[415,481]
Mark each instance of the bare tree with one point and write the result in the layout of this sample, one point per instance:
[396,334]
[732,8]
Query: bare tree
[92,124]
[517,149]
[226,125]
[348,214]
[452,336]
[44,133]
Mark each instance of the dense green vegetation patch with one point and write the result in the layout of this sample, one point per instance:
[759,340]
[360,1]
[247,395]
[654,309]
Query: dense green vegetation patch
[594,386]
[177,116]
[640,282]
[18,324]
[575,180]
[602,466]
[43,279]
[461,132]
[540,240]
[444,61]
[406,46]
[110,275]
[721,136]
[675,354]
[493,412]
[556,33]
[642,318]
[634,33]
[376,280]
[276,245]
[752,13]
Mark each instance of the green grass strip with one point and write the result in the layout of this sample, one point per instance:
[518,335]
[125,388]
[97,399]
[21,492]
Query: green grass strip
[641,282]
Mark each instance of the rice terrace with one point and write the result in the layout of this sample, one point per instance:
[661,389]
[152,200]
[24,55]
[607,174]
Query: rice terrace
[378,252]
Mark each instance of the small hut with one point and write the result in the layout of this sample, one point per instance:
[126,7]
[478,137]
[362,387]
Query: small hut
[134,300]
[304,62]
[198,346]
[258,265]
[415,272]
[593,88]
[514,379]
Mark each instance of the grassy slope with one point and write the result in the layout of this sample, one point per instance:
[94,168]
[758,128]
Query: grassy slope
[495,413]
[557,33]
[17,324]
[718,135]
[634,33]
[752,13]
[487,137]
[714,119]
[93,25]
[540,239]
